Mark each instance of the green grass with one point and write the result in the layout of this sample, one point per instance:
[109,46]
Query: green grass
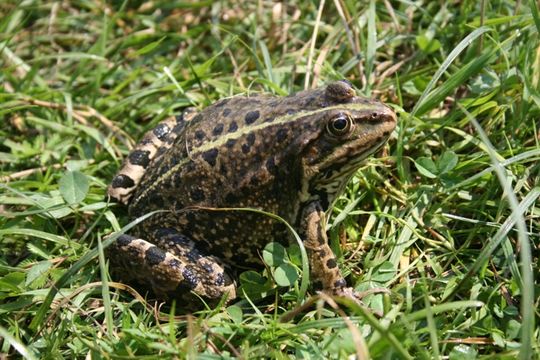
[447,218]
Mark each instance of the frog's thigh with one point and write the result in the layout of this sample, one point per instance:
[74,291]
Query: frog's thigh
[323,264]
[173,269]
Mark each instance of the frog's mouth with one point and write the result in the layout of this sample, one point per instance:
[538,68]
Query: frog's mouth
[330,182]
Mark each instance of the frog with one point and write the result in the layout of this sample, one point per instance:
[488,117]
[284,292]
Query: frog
[201,172]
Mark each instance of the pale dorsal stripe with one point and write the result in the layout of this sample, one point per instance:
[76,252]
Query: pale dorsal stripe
[220,142]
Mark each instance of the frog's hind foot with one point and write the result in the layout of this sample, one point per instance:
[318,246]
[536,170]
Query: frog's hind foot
[172,271]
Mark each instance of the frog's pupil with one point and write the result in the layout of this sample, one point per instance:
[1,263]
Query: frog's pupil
[340,124]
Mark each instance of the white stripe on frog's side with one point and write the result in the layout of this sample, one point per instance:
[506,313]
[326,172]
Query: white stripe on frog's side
[256,127]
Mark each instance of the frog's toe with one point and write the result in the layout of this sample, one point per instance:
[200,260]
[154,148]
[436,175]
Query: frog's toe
[349,292]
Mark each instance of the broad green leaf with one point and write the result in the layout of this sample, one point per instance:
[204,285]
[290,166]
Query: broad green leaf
[251,277]
[74,186]
[426,167]
[427,45]
[294,254]
[384,272]
[447,162]
[463,352]
[236,313]
[53,206]
[274,254]
[513,329]
[37,271]
[11,282]
[285,275]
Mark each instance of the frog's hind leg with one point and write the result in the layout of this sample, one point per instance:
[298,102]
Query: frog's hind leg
[171,266]
[153,144]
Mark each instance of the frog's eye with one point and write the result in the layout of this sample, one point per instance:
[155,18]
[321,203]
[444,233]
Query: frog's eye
[340,125]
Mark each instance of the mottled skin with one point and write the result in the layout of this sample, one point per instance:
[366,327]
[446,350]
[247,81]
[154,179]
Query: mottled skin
[290,156]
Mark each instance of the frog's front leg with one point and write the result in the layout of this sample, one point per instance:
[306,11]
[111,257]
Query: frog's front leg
[322,261]
[171,265]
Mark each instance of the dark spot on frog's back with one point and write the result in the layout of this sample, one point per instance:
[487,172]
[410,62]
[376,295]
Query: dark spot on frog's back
[251,117]
[139,157]
[230,198]
[219,279]
[281,134]
[197,195]
[161,131]
[218,129]
[233,126]
[271,166]
[250,139]
[311,100]
[199,134]
[153,198]
[122,181]
[226,112]
[230,143]
[210,156]
[154,255]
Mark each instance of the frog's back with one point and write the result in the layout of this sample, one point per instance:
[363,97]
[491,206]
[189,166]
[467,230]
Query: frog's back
[228,155]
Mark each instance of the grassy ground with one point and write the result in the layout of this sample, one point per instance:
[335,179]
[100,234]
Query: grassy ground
[447,218]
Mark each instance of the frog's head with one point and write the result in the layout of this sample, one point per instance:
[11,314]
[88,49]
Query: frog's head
[344,131]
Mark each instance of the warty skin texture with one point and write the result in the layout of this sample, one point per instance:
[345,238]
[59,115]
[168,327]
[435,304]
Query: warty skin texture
[290,156]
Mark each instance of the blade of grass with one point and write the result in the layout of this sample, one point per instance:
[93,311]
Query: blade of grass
[442,308]
[312,44]
[37,321]
[267,61]
[536,17]
[16,344]
[370,46]
[105,292]
[527,287]
[496,240]
[422,105]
